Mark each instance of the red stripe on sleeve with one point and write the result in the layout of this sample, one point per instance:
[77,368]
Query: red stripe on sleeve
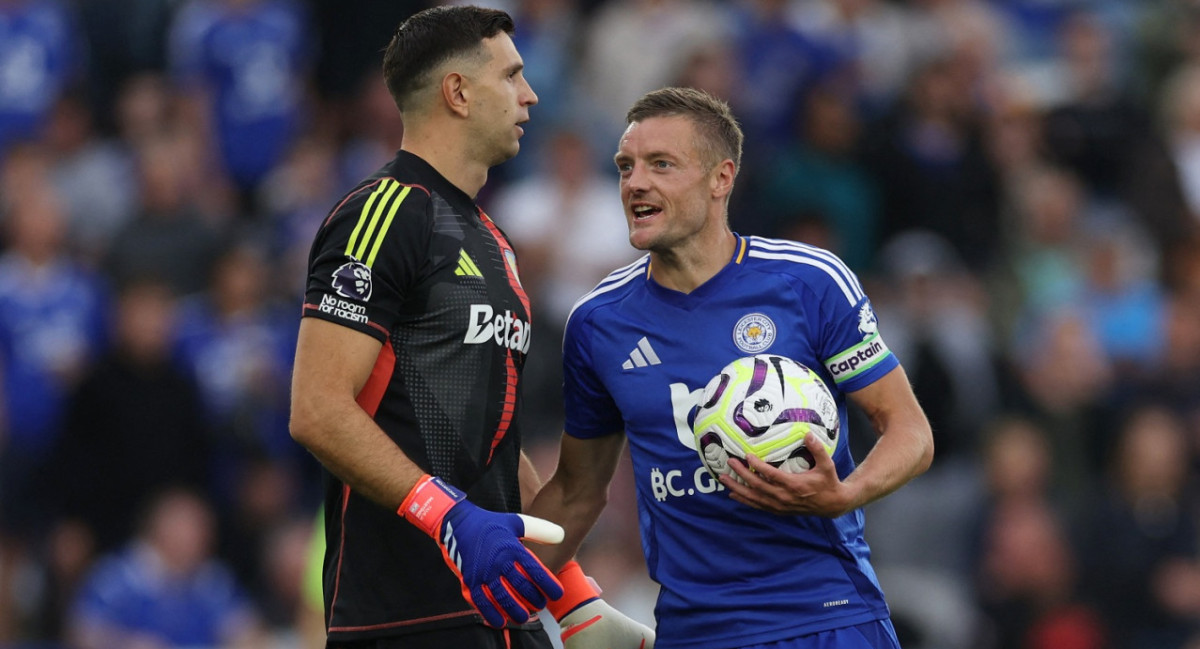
[372,392]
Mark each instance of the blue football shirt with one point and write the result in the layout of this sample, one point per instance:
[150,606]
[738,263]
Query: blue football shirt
[253,59]
[38,53]
[636,359]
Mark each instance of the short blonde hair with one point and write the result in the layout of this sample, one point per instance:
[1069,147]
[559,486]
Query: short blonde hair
[720,136]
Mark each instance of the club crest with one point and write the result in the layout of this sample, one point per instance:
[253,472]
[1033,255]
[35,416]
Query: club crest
[754,333]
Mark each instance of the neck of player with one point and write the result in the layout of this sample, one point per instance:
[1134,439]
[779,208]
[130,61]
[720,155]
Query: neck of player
[450,158]
[686,266]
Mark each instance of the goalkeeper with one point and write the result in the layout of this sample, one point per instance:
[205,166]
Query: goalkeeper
[780,561]
[408,367]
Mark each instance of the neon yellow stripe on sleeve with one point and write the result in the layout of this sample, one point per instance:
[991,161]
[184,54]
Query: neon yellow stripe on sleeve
[374,222]
[384,188]
[387,223]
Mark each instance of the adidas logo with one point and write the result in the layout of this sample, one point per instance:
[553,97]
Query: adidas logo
[466,267]
[641,356]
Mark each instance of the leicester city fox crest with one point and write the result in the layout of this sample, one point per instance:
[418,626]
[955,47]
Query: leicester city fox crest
[754,333]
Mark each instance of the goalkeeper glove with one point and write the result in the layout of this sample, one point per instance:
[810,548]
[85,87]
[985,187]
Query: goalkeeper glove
[588,622]
[499,576]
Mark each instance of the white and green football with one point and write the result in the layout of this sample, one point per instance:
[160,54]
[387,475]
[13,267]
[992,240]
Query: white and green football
[768,405]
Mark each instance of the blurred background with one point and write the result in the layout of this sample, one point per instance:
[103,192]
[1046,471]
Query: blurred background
[1016,181]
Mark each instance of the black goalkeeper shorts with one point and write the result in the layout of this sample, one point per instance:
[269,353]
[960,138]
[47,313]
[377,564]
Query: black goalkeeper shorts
[459,637]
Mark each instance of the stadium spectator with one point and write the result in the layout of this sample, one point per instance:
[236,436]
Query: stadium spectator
[352,44]
[133,426]
[295,197]
[165,589]
[40,55]
[1068,400]
[143,109]
[881,43]
[927,157]
[818,170]
[126,39]
[1013,130]
[94,176]
[1028,583]
[278,585]
[244,66]
[937,316]
[770,52]
[52,326]
[1095,123]
[169,238]
[1121,294]
[235,342]
[65,557]
[712,67]
[1177,370]
[634,46]
[549,38]
[1139,537]
[1181,106]
[373,131]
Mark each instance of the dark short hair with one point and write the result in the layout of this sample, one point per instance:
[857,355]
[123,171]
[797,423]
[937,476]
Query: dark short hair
[720,135]
[431,37]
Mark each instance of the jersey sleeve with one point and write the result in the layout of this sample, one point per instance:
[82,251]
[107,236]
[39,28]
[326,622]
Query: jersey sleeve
[849,342]
[367,257]
[590,409]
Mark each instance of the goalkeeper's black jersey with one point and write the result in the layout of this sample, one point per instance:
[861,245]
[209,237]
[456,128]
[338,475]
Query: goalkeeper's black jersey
[408,258]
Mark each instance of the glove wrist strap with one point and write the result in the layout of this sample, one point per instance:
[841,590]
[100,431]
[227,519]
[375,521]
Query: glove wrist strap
[427,503]
[578,590]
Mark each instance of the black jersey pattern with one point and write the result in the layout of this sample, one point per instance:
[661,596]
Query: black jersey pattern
[409,259]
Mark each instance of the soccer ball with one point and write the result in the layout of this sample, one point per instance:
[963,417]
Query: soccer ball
[768,405]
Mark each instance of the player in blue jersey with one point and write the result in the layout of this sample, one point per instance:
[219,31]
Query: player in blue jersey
[781,560]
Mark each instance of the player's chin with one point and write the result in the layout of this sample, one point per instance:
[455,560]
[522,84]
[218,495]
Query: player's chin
[506,153]
[641,238]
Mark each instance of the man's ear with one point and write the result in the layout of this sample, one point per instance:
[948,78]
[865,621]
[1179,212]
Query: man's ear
[722,179]
[456,92]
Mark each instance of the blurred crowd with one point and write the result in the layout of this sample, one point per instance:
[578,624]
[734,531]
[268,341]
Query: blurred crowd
[1017,182]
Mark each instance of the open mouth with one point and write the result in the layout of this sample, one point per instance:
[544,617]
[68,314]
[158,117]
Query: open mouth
[641,212]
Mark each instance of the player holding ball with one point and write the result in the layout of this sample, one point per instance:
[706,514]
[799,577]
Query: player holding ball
[779,561]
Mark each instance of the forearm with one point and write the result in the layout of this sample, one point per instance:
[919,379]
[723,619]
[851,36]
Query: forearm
[529,481]
[332,367]
[352,447]
[577,493]
[900,454]
[904,448]
[576,511]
